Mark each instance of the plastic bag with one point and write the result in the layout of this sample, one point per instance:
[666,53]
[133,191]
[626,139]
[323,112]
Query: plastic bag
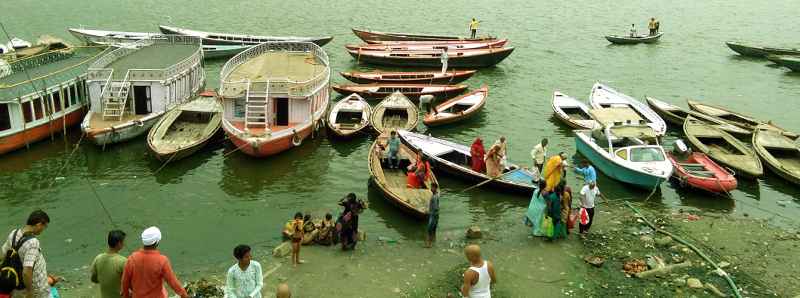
[547,226]
[573,218]
[584,216]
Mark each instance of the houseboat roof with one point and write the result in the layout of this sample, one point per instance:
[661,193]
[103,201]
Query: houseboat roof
[46,70]
[156,56]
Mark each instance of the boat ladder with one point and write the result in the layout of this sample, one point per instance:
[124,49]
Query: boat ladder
[115,99]
[255,110]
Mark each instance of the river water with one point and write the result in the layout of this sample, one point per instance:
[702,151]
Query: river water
[210,202]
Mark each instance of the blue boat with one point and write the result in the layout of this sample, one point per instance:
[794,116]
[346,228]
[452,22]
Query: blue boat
[626,153]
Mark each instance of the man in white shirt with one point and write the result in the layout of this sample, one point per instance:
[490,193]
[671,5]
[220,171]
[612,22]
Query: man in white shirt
[539,154]
[444,58]
[244,278]
[589,194]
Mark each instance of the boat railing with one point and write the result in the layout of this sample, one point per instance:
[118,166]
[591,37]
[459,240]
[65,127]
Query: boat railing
[107,85]
[97,71]
[278,85]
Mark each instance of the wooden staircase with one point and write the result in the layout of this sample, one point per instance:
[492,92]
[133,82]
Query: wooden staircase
[115,100]
[256,110]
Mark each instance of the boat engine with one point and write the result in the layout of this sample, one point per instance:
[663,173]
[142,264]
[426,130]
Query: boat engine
[680,148]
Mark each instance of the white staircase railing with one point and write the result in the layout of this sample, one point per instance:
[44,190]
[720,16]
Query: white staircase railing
[255,109]
[116,99]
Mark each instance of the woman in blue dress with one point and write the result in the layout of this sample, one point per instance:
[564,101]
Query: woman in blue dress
[536,208]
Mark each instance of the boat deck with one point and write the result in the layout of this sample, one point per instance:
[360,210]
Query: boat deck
[98,122]
[157,56]
[181,134]
[295,66]
[46,70]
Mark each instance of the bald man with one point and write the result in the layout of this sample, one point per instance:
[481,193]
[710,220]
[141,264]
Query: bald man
[480,275]
[283,291]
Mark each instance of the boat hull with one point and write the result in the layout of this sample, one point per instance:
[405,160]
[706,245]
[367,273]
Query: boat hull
[616,171]
[491,58]
[431,120]
[120,133]
[787,168]
[375,36]
[615,39]
[446,92]
[264,147]
[456,78]
[40,132]
[790,63]
[320,41]
[722,182]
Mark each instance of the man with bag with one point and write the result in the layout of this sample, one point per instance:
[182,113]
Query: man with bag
[589,193]
[23,272]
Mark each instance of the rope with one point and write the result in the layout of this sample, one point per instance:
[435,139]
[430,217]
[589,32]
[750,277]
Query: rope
[725,275]
[96,196]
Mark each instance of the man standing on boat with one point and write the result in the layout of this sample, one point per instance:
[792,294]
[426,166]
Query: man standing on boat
[653,26]
[473,27]
[444,58]
[633,30]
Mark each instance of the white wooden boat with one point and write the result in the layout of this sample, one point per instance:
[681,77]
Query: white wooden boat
[216,38]
[187,128]
[349,116]
[130,88]
[573,112]
[395,112]
[603,96]
[107,37]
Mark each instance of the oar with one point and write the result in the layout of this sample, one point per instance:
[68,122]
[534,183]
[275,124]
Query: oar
[484,182]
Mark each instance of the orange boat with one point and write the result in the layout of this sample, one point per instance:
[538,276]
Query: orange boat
[32,109]
[412,91]
[274,96]
[409,77]
[457,109]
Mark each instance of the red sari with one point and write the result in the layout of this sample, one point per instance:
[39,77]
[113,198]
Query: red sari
[414,181]
[477,153]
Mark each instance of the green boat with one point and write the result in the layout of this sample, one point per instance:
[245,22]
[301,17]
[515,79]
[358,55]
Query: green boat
[760,52]
[790,62]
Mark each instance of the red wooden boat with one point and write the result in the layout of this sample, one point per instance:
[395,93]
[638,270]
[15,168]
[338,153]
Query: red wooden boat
[698,171]
[457,109]
[414,91]
[456,58]
[426,42]
[409,77]
[429,46]
[374,36]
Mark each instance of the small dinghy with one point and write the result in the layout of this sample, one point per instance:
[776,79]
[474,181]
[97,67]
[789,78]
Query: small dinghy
[722,147]
[395,112]
[676,116]
[603,96]
[734,118]
[349,116]
[413,91]
[457,109]
[627,39]
[392,182]
[186,128]
[696,170]
[454,159]
[573,112]
[781,154]
[409,77]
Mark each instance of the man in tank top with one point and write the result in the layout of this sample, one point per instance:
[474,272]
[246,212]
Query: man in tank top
[480,275]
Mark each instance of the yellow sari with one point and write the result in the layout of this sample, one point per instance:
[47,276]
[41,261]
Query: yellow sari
[552,172]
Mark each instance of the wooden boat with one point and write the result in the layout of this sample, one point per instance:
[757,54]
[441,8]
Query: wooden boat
[426,42]
[222,51]
[277,93]
[722,147]
[429,46]
[603,96]
[37,107]
[392,182]
[187,128]
[214,38]
[107,37]
[349,116]
[454,159]
[573,112]
[370,36]
[676,116]
[131,88]
[759,52]
[627,153]
[395,112]
[458,108]
[457,58]
[699,171]
[409,77]
[627,39]
[790,62]
[412,91]
[734,118]
[781,154]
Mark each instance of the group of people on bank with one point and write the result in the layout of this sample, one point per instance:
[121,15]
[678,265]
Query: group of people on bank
[141,274]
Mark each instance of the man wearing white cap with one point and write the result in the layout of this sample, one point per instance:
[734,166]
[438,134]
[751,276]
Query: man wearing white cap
[147,269]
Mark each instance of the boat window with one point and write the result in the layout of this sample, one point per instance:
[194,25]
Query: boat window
[73,94]
[646,154]
[57,100]
[37,108]
[26,111]
[238,108]
[622,153]
[81,90]
[5,117]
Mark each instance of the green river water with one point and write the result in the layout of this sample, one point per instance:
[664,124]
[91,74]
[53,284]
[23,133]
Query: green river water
[208,203]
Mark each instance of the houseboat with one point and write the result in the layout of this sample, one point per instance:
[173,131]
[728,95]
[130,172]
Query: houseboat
[43,95]
[274,96]
[131,87]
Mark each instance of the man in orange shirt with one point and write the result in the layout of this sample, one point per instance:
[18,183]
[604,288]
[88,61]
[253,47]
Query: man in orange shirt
[147,269]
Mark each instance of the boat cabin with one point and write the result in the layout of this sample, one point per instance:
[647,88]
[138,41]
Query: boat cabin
[635,143]
[275,86]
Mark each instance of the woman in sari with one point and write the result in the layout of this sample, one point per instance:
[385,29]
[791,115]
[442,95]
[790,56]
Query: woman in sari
[554,211]
[566,205]
[493,158]
[553,171]
[477,153]
[533,218]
